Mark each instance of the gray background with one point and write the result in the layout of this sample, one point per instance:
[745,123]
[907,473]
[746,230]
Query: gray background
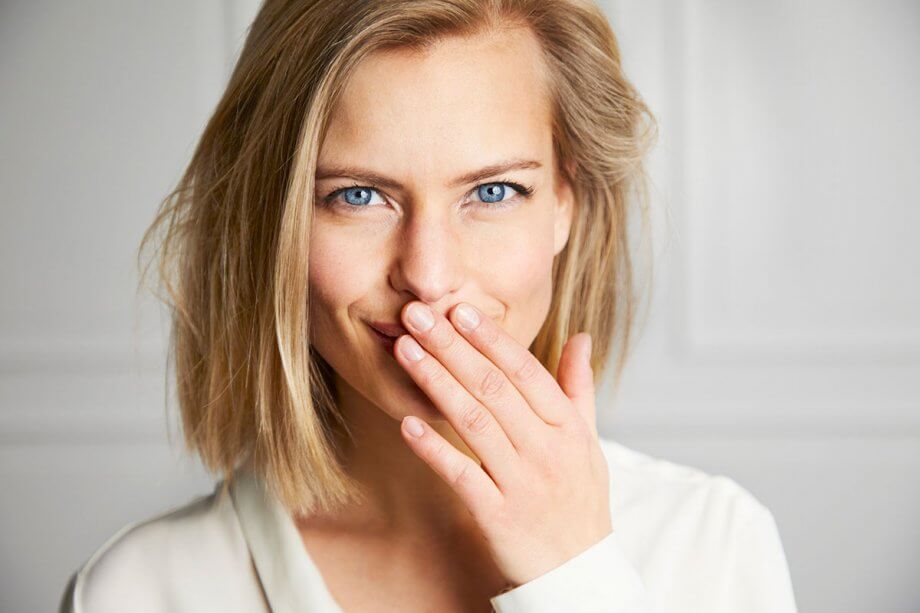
[783,343]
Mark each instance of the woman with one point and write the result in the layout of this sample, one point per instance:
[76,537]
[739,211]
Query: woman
[394,222]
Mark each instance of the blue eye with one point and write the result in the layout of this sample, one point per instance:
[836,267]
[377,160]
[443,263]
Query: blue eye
[494,193]
[358,195]
[361,196]
[491,192]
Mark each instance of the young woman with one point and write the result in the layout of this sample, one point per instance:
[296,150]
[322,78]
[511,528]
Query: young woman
[397,262]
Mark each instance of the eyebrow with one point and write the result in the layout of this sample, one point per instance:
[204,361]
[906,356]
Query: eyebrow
[374,178]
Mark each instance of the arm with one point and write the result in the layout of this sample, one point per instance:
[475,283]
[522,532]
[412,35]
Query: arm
[600,578]
[753,577]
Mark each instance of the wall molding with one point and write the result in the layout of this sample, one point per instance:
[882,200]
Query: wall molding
[215,40]
[698,342]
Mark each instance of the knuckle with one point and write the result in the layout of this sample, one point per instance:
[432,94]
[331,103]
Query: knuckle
[551,467]
[440,456]
[492,383]
[474,419]
[579,432]
[461,475]
[432,378]
[549,458]
[527,370]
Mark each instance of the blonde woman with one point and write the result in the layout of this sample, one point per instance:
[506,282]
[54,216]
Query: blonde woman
[397,263]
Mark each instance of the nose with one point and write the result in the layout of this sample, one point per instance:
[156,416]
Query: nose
[429,259]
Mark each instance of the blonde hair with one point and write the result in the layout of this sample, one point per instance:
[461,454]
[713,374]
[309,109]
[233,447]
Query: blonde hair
[231,239]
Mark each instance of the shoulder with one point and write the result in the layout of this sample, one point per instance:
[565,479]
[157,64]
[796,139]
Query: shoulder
[682,528]
[149,563]
[652,494]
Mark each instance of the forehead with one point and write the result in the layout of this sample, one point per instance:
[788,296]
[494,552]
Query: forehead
[463,103]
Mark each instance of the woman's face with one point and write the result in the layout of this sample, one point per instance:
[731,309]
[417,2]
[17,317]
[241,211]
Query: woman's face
[425,228]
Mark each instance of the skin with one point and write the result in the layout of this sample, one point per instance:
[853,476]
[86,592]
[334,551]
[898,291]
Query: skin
[509,455]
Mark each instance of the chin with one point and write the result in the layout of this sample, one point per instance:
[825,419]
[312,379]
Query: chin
[407,398]
[418,403]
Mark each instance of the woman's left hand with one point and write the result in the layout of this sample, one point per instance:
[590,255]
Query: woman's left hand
[541,495]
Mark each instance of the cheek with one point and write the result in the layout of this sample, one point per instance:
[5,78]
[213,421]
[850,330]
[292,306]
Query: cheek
[338,268]
[521,266]
[519,273]
[340,274]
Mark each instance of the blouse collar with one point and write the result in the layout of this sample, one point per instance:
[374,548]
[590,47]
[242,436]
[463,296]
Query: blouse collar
[290,579]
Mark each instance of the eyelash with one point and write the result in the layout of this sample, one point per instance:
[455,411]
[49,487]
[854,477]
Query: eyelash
[523,190]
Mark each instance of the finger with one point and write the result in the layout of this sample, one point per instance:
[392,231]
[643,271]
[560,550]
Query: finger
[523,369]
[473,422]
[474,487]
[478,375]
[576,377]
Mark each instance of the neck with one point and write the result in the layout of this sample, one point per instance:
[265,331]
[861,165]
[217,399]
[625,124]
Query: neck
[403,494]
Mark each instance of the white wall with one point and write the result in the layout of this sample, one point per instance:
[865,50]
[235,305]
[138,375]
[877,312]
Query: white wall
[783,345]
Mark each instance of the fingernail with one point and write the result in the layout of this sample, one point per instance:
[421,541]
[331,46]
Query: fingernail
[411,349]
[413,426]
[467,317]
[421,317]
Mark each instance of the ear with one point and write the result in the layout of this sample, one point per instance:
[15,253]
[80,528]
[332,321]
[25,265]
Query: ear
[564,210]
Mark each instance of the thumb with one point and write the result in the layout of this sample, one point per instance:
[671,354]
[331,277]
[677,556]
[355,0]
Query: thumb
[575,375]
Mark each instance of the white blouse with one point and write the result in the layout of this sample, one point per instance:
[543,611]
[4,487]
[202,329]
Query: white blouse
[682,540]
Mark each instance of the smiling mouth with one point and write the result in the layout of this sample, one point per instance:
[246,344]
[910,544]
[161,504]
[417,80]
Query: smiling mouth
[388,329]
[388,342]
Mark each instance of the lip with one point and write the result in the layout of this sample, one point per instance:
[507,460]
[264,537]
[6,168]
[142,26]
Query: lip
[387,329]
[386,342]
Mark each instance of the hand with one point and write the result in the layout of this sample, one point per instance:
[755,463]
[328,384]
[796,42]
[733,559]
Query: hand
[541,495]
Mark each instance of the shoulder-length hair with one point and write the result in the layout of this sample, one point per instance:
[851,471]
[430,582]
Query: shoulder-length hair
[231,239]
